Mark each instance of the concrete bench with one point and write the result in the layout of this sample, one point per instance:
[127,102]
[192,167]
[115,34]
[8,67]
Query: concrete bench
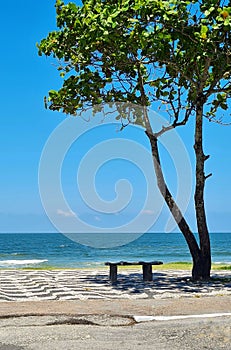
[146,266]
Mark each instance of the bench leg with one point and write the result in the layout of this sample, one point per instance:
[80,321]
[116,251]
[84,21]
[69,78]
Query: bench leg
[113,273]
[147,272]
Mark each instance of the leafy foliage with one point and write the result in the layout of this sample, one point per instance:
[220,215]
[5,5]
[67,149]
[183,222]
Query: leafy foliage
[142,51]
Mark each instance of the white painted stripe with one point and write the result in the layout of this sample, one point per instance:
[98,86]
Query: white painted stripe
[177,317]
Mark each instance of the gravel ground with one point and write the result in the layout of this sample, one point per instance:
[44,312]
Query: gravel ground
[214,334]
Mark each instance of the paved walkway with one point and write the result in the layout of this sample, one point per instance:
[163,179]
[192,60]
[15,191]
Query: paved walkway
[41,285]
[79,309]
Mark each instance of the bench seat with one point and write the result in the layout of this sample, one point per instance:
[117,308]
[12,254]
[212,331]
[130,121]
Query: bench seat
[146,266]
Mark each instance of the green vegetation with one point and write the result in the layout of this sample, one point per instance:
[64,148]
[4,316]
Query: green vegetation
[222,267]
[178,265]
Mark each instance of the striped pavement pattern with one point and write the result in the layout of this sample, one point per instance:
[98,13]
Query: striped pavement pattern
[22,285]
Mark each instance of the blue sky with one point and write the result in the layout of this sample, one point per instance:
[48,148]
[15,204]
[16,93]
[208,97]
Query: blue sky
[26,125]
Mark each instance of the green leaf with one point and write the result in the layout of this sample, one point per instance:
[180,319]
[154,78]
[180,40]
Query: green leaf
[204,29]
[224,106]
[209,11]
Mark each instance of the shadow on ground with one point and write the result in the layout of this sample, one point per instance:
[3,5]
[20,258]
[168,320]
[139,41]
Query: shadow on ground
[162,283]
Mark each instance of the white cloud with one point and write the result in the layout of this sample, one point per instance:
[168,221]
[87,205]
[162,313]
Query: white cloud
[148,212]
[66,214]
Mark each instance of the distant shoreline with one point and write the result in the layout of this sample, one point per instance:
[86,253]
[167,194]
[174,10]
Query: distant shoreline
[186,266]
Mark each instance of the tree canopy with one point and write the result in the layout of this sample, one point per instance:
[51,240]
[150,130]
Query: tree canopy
[179,49]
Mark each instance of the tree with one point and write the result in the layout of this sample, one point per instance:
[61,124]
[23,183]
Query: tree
[175,53]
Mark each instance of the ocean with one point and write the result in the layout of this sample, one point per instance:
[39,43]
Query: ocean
[56,250]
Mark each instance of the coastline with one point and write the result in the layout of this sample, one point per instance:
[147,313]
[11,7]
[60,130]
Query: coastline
[176,265]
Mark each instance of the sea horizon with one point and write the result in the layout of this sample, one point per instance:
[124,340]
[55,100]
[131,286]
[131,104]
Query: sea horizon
[55,250]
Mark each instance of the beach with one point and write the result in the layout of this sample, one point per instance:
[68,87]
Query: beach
[80,308]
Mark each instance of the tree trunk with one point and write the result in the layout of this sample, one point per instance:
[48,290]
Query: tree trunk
[181,222]
[201,255]
[203,266]
[199,271]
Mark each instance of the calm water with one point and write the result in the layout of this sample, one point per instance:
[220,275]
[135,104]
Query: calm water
[54,249]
